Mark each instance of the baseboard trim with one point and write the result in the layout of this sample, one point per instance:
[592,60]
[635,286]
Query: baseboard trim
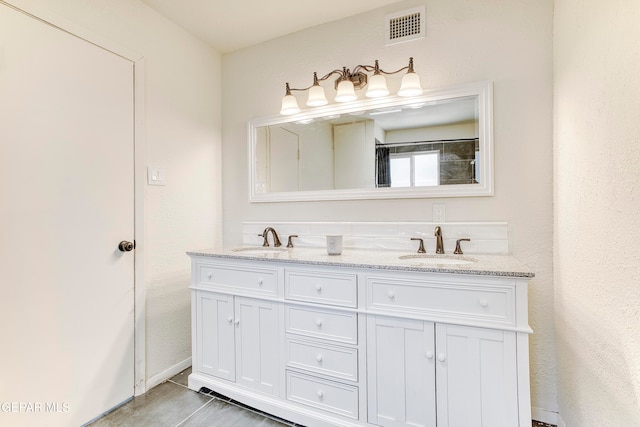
[168,373]
[561,422]
[546,416]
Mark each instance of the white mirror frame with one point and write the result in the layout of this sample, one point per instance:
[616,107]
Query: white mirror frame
[484,92]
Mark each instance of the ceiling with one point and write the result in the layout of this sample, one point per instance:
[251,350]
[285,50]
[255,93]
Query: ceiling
[229,25]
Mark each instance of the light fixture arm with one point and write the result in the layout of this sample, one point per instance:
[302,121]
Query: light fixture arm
[317,79]
[377,70]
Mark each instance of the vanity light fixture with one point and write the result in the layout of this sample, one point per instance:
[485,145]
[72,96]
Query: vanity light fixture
[348,81]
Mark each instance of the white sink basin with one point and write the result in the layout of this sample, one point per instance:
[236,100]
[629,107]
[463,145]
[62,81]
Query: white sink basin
[426,259]
[259,250]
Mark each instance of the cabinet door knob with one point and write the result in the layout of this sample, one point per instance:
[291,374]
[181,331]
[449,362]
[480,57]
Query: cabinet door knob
[230,319]
[319,358]
[429,355]
[391,294]
[209,276]
[320,394]
[237,322]
[484,303]
[318,288]
[442,357]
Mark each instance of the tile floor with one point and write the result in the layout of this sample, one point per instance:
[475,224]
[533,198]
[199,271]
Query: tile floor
[172,404]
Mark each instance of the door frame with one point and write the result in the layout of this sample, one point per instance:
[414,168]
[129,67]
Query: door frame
[47,17]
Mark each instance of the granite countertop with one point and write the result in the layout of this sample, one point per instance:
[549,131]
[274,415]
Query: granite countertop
[486,265]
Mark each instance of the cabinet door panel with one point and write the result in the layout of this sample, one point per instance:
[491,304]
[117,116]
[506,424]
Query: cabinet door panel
[476,377]
[215,347]
[401,369]
[257,344]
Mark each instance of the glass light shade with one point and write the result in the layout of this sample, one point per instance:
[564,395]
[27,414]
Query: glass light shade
[346,92]
[377,86]
[410,85]
[289,105]
[316,96]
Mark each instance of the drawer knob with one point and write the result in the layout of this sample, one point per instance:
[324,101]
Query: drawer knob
[429,355]
[442,357]
[320,394]
[318,288]
[484,303]
[319,358]
[319,323]
[391,294]
[209,276]
[260,281]
[230,319]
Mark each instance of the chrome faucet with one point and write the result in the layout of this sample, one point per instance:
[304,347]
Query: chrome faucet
[265,234]
[439,244]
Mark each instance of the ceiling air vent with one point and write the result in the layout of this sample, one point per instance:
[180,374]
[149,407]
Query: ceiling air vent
[404,26]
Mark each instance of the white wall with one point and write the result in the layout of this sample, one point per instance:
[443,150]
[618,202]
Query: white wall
[182,120]
[597,211]
[432,133]
[508,42]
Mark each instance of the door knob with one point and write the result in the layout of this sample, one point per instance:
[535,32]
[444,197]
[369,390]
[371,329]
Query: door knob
[126,246]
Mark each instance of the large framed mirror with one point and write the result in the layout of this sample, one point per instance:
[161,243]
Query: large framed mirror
[439,144]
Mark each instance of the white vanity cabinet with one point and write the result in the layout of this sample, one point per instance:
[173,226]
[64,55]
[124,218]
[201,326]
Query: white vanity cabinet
[351,345]
[426,374]
[235,338]
[459,371]
[476,377]
[401,367]
[322,337]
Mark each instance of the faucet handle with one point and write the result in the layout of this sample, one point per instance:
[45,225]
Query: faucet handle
[264,236]
[458,250]
[290,240]
[421,247]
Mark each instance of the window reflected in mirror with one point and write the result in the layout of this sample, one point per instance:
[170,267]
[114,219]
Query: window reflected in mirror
[427,163]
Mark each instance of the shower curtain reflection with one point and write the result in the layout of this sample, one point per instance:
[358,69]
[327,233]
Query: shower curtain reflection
[383,166]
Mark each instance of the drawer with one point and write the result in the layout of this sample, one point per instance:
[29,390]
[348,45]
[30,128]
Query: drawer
[325,324]
[256,280]
[339,362]
[486,303]
[322,287]
[327,395]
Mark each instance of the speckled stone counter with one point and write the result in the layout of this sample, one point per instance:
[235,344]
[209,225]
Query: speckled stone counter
[486,265]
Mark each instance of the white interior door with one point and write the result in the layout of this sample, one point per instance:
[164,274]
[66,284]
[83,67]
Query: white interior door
[67,200]
[284,149]
[354,155]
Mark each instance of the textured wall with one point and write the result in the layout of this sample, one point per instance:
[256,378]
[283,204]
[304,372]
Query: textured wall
[508,42]
[183,130]
[597,211]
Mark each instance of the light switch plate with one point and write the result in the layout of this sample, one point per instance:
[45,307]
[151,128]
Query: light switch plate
[438,212]
[156,176]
